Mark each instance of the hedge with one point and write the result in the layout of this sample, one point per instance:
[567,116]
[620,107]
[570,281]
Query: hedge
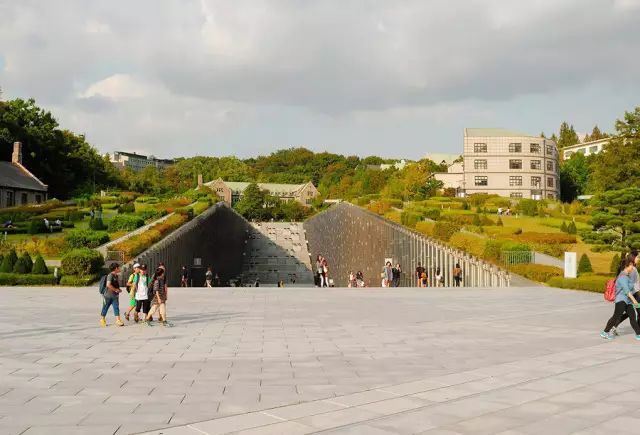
[425,228]
[140,242]
[125,222]
[79,281]
[151,214]
[469,243]
[82,261]
[547,238]
[536,272]
[444,230]
[27,279]
[86,238]
[592,283]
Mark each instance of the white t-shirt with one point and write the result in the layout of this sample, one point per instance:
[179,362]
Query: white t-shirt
[142,291]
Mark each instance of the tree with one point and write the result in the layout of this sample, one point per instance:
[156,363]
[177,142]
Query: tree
[584,265]
[8,262]
[563,227]
[252,204]
[619,211]
[567,136]
[618,166]
[596,134]
[615,263]
[571,228]
[574,177]
[39,266]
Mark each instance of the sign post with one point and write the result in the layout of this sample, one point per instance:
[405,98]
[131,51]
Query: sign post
[570,265]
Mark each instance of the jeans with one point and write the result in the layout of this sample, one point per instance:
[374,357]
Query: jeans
[110,300]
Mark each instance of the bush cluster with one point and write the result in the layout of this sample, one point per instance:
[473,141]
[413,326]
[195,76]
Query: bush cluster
[79,281]
[125,222]
[593,283]
[425,228]
[82,261]
[410,218]
[536,272]
[151,214]
[469,243]
[27,279]
[97,224]
[552,238]
[128,207]
[140,242]
[444,230]
[85,238]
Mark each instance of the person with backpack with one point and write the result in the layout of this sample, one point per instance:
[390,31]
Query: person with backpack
[457,275]
[159,295]
[131,289]
[625,302]
[110,290]
[142,290]
[635,278]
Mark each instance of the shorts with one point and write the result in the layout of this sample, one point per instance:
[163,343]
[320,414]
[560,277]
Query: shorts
[132,302]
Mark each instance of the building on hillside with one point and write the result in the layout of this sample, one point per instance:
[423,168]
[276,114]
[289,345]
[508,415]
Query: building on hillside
[586,148]
[137,162]
[18,186]
[442,158]
[232,191]
[505,163]
[384,166]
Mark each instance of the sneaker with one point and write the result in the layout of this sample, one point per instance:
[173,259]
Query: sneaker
[614,331]
[638,337]
[119,323]
[606,336]
[103,322]
[126,316]
[147,323]
[167,324]
[136,318]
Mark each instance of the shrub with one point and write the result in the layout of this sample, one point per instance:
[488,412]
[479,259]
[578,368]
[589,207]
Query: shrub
[499,222]
[471,244]
[73,215]
[615,263]
[37,226]
[151,214]
[147,199]
[536,272]
[486,220]
[125,222]
[39,266]
[571,228]
[493,250]
[476,220]
[528,207]
[593,283]
[444,230]
[28,262]
[551,238]
[86,238]
[432,213]
[21,266]
[410,218]
[394,216]
[563,227]
[425,228]
[128,207]
[79,281]
[185,211]
[8,262]
[584,265]
[517,231]
[97,224]
[201,206]
[27,279]
[82,261]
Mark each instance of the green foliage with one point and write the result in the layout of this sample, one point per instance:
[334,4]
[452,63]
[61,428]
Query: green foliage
[619,212]
[476,220]
[567,136]
[432,213]
[584,265]
[37,226]
[82,261]
[79,281]
[536,272]
[443,230]
[39,266]
[615,263]
[499,222]
[410,219]
[571,228]
[21,266]
[128,207]
[563,227]
[596,134]
[592,283]
[125,222]
[574,176]
[253,203]
[8,262]
[28,262]
[528,207]
[85,238]
[27,279]
[97,224]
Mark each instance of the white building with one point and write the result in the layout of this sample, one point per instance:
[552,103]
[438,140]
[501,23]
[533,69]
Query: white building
[586,148]
[137,162]
[505,163]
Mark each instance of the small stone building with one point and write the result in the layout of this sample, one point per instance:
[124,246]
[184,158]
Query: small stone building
[231,191]
[18,186]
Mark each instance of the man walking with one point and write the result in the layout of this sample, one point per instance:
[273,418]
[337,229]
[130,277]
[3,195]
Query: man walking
[111,296]
[184,277]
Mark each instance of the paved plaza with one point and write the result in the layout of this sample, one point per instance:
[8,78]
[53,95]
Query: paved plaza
[336,361]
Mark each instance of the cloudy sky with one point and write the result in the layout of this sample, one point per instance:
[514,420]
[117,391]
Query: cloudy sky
[396,78]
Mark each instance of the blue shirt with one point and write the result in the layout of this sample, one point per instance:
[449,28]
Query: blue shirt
[624,286]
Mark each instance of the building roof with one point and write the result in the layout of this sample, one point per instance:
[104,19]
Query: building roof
[239,187]
[586,144]
[16,177]
[142,156]
[493,132]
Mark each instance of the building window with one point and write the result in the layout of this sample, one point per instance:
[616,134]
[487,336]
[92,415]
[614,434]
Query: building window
[24,199]
[479,147]
[549,181]
[309,202]
[536,164]
[515,180]
[38,199]
[536,181]
[481,180]
[582,151]
[593,150]
[550,196]
[534,148]
[568,154]
[550,150]
[516,195]
[549,165]
[10,199]
[479,164]
[515,164]
[515,147]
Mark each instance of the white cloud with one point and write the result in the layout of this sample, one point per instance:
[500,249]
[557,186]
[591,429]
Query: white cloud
[121,87]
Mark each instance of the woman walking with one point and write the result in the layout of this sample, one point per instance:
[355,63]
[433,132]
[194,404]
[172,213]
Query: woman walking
[159,298]
[457,275]
[625,302]
[143,303]
[439,278]
[387,278]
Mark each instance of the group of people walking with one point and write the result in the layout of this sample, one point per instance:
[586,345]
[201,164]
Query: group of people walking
[422,276]
[148,294]
[627,288]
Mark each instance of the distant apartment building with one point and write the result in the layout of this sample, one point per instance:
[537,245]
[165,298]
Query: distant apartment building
[505,163]
[138,162]
[232,191]
[586,148]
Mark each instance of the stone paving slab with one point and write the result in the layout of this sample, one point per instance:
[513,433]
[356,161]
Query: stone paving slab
[373,361]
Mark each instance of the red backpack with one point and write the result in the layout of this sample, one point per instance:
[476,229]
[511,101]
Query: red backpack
[610,290]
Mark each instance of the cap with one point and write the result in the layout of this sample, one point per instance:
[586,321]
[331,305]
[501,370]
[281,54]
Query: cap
[137,265]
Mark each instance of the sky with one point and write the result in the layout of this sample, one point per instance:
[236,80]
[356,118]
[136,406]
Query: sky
[398,79]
